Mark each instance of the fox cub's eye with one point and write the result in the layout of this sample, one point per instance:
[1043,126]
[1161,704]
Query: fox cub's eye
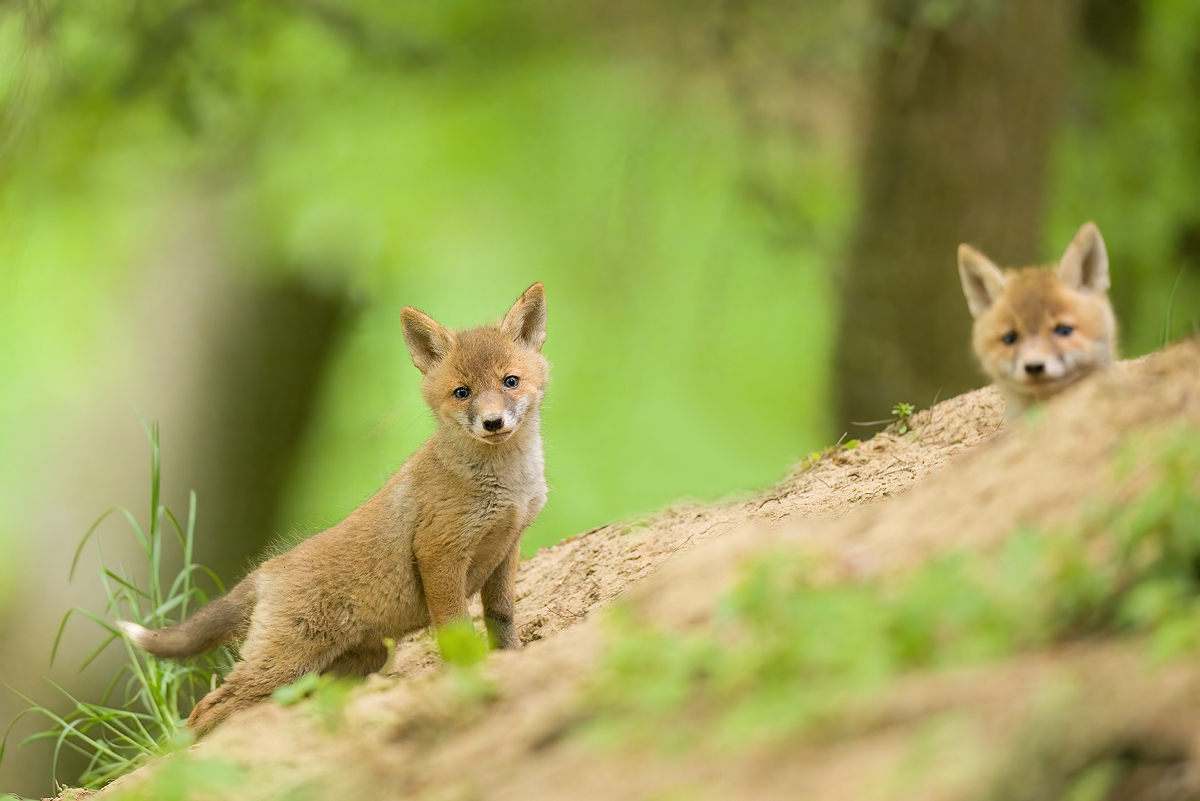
[1064,330]
[462,393]
[511,382]
[1009,338]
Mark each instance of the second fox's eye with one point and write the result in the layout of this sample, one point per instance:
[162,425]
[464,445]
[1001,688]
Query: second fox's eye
[1064,330]
[1009,338]
[511,382]
[462,393]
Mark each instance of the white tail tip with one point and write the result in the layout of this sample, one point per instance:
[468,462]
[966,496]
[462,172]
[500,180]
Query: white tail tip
[137,634]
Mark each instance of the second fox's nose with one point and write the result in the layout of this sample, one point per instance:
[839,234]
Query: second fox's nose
[1035,368]
[494,424]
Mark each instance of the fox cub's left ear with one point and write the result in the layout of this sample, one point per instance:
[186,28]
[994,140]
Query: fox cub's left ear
[1084,265]
[428,342]
[526,320]
[982,281]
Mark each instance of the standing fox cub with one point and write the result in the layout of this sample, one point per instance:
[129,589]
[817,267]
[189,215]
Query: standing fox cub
[446,526]
[1038,330]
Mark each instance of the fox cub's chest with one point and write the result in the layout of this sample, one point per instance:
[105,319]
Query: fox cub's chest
[505,497]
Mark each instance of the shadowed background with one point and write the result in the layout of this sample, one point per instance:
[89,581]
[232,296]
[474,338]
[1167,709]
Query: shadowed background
[745,213]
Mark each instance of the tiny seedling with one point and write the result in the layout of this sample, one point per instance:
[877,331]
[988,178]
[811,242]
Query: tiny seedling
[902,413]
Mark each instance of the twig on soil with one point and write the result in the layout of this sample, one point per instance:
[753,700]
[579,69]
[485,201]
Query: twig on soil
[823,481]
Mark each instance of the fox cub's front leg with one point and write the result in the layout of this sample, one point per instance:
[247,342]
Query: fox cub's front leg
[499,600]
[444,581]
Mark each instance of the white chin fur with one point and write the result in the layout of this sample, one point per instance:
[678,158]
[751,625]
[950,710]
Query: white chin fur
[137,634]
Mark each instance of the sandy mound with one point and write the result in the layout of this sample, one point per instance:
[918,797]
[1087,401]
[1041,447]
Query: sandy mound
[944,735]
[561,584]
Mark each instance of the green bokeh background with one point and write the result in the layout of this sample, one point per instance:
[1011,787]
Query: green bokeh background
[485,149]
[688,338]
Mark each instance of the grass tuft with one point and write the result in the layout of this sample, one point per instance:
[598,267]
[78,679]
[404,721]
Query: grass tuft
[141,712]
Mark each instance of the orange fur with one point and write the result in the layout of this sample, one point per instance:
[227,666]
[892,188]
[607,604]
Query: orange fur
[1040,329]
[446,526]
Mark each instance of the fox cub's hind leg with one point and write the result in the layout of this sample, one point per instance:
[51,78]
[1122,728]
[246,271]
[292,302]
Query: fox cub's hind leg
[265,666]
[360,661]
[248,683]
[499,600]
[254,678]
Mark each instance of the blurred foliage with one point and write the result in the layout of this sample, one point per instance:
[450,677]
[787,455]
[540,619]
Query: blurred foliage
[460,644]
[1129,158]
[678,175]
[186,777]
[788,650]
[442,156]
[327,696]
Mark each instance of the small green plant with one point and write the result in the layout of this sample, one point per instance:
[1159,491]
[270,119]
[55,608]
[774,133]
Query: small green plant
[464,649]
[327,695]
[185,777]
[903,412]
[460,645]
[816,456]
[788,651]
[141,713]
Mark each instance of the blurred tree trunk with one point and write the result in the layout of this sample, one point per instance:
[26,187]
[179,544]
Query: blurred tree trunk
[264,374]
[958,133]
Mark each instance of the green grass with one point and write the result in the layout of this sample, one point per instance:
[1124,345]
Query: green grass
[787,651]
[141,712]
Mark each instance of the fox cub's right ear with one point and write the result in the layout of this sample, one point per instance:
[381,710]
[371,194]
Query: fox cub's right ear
[982,281]
[526,320]
[427,340]
[1084,265]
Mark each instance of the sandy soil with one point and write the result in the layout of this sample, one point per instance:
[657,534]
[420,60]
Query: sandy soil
[956,481]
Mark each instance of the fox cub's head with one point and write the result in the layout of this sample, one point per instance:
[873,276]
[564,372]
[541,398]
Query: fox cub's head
[483,381]
[1037,329]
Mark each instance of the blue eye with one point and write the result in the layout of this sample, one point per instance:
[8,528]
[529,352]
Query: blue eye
[1064,330]
[511,382]
[1009,338]
[462,393]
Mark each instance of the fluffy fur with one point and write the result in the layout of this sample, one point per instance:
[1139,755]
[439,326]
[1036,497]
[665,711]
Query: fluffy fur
[1040,329]
[446,526]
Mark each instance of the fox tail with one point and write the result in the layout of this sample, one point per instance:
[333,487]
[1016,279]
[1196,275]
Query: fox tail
[221,621]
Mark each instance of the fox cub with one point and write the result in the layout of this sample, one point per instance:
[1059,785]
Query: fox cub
[446,526]
[1039,330]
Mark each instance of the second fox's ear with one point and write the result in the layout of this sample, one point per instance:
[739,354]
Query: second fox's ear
[1084,265]
[982,281]
[526,320]
[427,340]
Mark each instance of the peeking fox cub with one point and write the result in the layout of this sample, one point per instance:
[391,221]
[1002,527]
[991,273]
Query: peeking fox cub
[446,526]
[1038,330]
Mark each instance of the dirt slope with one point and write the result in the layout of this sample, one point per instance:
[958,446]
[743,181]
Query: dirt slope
[934,736]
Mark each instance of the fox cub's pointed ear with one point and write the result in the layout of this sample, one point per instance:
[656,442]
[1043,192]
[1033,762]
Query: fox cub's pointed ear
[427,340]
[982,281]
[1084,265]
[526,320]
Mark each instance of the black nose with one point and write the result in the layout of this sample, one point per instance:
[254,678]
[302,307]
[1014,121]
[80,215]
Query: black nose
[1035,368]
[495,424]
